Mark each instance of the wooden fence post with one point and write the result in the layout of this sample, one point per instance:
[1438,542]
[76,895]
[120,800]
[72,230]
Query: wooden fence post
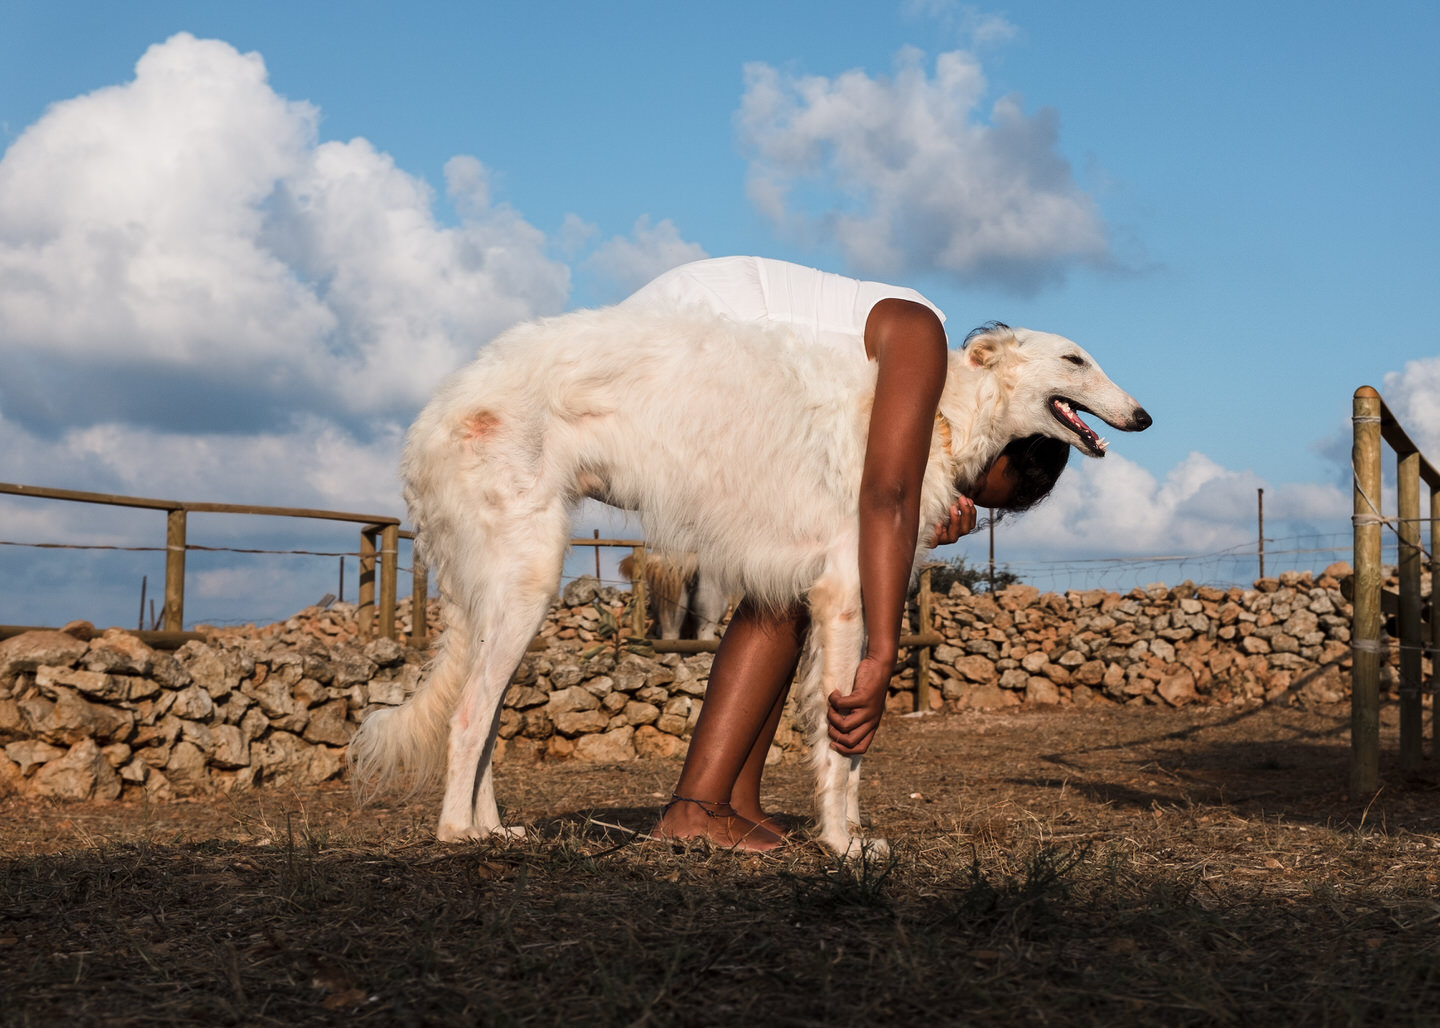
[638,600]
[174,616]
[419,601]
[1412,704]
[366,605]
[389,575]
[1434,614]
[922,663]
[1365,624]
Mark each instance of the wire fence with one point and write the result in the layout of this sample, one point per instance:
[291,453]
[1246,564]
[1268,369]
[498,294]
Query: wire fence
[1237,565]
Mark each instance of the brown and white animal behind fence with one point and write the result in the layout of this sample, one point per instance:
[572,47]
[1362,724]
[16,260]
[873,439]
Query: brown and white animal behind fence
[682,595]
[731,442]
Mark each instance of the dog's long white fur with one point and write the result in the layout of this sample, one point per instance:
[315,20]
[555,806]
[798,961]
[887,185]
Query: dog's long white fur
[732,443]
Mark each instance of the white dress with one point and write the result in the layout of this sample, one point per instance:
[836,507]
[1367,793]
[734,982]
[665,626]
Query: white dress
[822,308]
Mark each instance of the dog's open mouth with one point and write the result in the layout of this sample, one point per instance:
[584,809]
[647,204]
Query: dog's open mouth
[1066,414]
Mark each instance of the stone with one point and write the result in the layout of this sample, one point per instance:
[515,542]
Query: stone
[193,704]
[976,669]
[637,714]
[30,650]
[947,654]
[1177,689]
[1041,691]
[385,652]
[29,754]
[350,668]
[323,763]
[231,749]
[1326,685]
[566,701]
[386,691]
[987,697]
[310,692]
[93,683]
[209,667]
[613,747]
[1016,678]
[525,696]
[1016,597]
[168,672]
[71,719]
[82,773]
[581,591]
[600,686]
[186,768]
[650,742]
[135,772]
[329,724]
[581,722]
[1092,672]
[280,757]
[274,697]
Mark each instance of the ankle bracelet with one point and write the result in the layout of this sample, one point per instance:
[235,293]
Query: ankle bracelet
[724,813]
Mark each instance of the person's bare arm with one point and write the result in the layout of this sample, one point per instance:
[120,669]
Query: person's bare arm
[908,343]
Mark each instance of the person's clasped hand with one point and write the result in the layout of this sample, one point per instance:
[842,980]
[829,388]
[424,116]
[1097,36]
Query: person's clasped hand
[959,520]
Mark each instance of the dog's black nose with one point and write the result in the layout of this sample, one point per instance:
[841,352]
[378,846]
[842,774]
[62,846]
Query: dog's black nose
[1142,420]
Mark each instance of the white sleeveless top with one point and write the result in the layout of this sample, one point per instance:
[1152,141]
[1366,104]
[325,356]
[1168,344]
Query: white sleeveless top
[822,308]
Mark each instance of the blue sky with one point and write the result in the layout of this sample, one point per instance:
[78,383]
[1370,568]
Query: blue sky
[239,243]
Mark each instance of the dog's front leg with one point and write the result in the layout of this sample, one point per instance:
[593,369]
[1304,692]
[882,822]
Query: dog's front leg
[838,637]
[468,810]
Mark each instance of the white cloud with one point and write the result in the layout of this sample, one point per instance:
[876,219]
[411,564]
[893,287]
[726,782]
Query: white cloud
[201,300]
[1115,508]
[905,175]
[180,252]
[625,263]
[1413,395]
[964,21]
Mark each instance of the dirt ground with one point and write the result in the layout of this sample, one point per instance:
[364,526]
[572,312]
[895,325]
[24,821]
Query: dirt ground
[1098,770]
[1063,866]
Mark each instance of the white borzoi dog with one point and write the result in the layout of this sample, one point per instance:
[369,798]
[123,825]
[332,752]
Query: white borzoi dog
[733,443]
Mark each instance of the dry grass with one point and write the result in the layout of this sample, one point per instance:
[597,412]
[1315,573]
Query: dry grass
[1136,867]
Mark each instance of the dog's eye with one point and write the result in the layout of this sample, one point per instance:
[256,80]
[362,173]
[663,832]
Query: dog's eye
[1076,359]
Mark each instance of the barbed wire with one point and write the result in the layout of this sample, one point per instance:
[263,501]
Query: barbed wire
[1236,557]
[196,548]
[188,547]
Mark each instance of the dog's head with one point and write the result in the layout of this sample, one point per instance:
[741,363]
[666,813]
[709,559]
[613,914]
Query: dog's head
[1046,382]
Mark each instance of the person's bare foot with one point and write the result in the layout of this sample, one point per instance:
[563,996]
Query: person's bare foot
[715,823]
[754,813]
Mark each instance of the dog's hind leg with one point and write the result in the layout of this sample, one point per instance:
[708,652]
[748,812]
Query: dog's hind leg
[836,639]
[521,572]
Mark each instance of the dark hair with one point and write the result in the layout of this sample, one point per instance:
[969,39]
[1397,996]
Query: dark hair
[1035,465]
[985,329]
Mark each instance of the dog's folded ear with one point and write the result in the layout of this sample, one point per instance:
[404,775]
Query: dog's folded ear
[983,351]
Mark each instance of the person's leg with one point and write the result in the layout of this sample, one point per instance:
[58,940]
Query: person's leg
[748,681]
[745,795]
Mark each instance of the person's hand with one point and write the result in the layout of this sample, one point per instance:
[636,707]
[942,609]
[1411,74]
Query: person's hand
[959,520]
[855,717]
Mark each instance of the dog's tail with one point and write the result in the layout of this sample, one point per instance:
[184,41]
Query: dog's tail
[407,744]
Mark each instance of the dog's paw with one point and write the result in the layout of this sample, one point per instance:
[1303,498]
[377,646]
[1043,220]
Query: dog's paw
[859,847]
[474,833]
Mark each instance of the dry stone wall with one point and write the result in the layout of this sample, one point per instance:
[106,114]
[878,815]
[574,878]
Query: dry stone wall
[87,715]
